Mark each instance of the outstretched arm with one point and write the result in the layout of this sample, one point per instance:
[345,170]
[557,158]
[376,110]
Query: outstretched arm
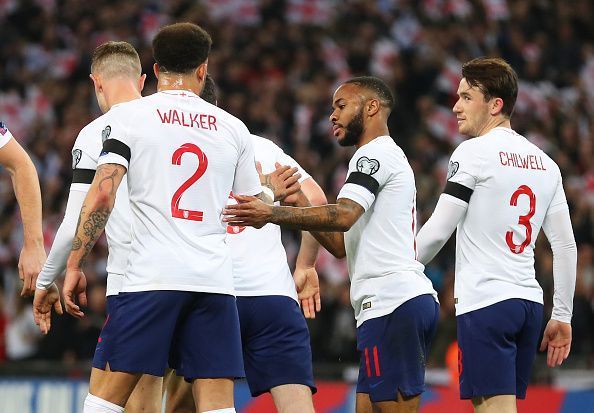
[26,188]
[335,218]
[439,227]
[92,220]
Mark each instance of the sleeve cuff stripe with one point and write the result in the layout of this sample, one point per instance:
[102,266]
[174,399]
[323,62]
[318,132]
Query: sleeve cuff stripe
[83,176]
[117,147]
[458,191]
[366,181]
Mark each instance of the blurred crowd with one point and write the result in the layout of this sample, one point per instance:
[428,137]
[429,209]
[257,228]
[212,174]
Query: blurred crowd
[277,63]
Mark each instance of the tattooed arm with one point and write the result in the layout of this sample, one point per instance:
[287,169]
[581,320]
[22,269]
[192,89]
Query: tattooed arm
[91,222]
[320,220]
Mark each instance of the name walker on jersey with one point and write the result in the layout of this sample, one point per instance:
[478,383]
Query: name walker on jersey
[190,120]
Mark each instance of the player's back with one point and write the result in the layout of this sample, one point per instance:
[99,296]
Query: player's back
[185,156]
[259,259]
[515,185]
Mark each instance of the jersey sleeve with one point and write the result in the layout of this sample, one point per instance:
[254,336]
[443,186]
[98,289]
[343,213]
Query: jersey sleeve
[559,202]
[84,164]
[117,146]
[367,173]
[285,159]
[463,173]
[246,181]
[5,135]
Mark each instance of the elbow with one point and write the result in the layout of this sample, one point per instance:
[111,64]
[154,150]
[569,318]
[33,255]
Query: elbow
[339,253]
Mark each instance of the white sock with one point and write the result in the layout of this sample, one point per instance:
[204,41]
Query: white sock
[227,410]
[94,404]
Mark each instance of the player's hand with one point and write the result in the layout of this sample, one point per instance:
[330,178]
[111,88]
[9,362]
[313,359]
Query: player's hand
[75,289]
[31,262]
[250,211]
[43,303]
[283,181]
[308,290]
[557,339]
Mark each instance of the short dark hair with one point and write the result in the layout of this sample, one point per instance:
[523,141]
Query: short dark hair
[116,58]
[376,86]
[494,77]
[209,92]
[181,47]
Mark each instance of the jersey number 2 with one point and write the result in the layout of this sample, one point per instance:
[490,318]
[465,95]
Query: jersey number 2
[176,211]
[524,220]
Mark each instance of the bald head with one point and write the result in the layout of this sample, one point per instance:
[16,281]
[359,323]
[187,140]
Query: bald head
[114,59]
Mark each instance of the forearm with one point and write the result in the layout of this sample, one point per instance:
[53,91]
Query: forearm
[559,232]
[95,212]
[317,218]
[56,260]
[28,195]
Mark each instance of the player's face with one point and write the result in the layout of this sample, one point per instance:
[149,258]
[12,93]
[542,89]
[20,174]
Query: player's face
[347,115]
[471,110]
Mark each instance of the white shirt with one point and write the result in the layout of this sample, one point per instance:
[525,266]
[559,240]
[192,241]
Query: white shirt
[380,247]
[184,156]
[515,186]
[85,155]
[5,134]
[259,258]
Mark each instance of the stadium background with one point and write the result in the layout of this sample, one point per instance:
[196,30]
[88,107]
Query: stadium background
[276,64]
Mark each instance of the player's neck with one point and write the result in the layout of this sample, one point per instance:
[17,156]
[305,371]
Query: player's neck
[177,81]
[371,132]
[121,91]
[498,122]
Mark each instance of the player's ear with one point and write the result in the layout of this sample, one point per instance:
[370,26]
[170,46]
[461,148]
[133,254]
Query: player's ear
[201,72]
[156,70]
[496,106]
[141,82]
[96,82]
[372,107]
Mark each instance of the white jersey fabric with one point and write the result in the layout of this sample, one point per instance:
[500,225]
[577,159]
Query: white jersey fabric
[5,134]
[184,156]
[260,265]
[85,154]
[515,186]
[380,247]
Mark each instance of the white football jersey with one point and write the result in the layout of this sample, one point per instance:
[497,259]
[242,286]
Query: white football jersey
[184,156]
[5,134]
[259,259]
[510,186]
[85,154]
[380,247]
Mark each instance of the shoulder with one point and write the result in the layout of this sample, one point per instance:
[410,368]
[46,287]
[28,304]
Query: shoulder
[93,132]
[264,144]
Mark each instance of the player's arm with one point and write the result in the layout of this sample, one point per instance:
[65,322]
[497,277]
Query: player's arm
[26,188]
[557,335]
[305,274]
[450,209]
[94,214]
[326,222]
[279,184]
[46,293]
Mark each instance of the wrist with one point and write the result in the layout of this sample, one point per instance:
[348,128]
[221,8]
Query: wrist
[33,242]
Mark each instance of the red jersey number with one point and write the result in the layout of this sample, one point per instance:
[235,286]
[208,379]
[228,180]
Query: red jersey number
[524,220]
[176,211]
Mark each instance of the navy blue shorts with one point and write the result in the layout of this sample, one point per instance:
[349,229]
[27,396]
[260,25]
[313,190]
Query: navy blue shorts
[276,345]
[145,330]
[497,346]
[394,348]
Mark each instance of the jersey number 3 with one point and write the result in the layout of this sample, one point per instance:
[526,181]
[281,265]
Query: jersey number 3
[524,220]
[176,211]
